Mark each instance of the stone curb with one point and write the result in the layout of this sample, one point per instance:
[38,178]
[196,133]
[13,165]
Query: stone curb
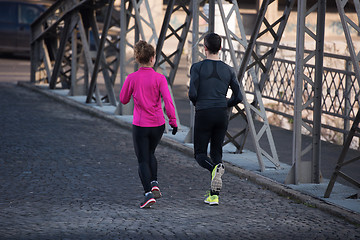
[265,182]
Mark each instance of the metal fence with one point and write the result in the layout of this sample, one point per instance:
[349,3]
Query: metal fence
[340,95]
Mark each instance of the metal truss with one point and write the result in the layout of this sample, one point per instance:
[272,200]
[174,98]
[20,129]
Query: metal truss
[268,57]
[168,33]
[308,170]
[60,55]
[256,109]
[61,39]
[232,38]
[106,57]
[138,24]
[341,161]
[68,59]
[355,57]
[44,43]
[346,23]
[167,36]
[251,111]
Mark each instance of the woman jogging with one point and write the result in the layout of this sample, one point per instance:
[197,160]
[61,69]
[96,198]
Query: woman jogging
[209,82]
[147,87]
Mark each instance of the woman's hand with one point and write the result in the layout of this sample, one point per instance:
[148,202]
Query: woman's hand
[174,131]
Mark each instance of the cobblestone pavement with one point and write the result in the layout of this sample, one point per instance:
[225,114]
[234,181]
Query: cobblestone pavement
[67,175]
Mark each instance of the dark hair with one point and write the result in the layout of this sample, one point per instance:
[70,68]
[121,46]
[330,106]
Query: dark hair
[143,52]
[212,42]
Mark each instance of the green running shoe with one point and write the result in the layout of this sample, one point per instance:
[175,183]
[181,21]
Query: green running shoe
[216,182]
[212,199]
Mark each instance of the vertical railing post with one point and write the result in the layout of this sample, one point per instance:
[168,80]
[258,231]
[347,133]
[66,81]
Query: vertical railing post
[347,97]
[299,71]
[307,170]
[124,23]
[319,59]
[74,88]
[194,58]
[211,16]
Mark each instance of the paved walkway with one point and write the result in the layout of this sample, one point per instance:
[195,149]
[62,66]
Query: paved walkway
[66,174]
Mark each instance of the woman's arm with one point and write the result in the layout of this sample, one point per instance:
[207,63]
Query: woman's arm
[126,91]
[169,106]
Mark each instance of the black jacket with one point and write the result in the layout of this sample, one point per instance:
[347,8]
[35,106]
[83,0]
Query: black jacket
[209,83]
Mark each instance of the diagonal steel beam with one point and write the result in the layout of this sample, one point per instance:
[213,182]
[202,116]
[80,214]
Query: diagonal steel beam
[341,161]
[355,58]
[100,58]
[69,24]
[257,108]
[180,33]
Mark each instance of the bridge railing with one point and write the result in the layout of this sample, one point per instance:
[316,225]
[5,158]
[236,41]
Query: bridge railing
[340,95]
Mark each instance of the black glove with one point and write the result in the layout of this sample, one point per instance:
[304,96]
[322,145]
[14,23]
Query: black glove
[174,131]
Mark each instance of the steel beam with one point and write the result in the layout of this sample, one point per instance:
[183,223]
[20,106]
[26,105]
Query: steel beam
[168,33]
[319,60]
[69,24]
[195,4]
[355,57]
[257,108]
[45,31]
[308,170]
[126,8]
[341,161]
[87,56]
[100,58]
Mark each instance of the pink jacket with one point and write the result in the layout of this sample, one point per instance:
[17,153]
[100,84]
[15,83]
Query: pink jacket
[147,86]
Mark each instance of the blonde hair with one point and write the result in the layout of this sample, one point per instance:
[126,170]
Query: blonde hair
[143,52]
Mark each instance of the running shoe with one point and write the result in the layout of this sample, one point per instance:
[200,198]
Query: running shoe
[149,200]
[216,182]
[155,189]
[212,199]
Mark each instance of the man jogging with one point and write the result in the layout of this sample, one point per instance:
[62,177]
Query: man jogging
[210,80]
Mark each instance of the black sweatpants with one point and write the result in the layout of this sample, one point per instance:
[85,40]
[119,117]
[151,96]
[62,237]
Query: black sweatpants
[145,141]
[210,125]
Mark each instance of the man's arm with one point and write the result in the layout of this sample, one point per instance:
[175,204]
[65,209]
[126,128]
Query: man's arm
[194,84]
[236,96]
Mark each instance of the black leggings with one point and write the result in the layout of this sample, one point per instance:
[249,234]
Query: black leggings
[145,141]
[210,125]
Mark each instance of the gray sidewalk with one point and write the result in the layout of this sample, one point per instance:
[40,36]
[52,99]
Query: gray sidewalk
[244,165]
